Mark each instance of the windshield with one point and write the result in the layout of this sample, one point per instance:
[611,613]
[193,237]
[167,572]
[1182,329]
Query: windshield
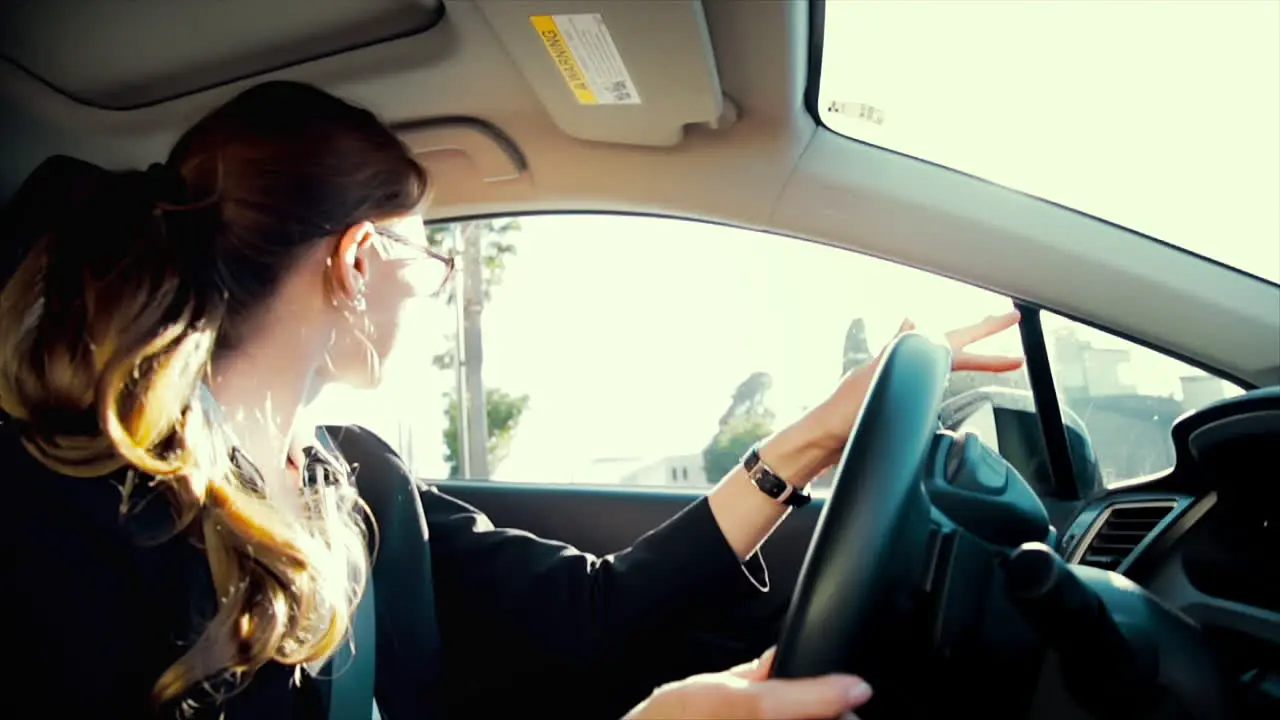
[1162,117]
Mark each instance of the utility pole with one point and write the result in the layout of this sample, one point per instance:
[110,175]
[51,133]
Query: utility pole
[472,359]
[406,446]
[464,439]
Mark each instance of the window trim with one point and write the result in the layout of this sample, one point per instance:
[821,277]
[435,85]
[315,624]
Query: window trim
[1044,392]
[813,77]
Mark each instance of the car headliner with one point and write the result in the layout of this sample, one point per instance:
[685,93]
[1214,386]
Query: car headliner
[774,169]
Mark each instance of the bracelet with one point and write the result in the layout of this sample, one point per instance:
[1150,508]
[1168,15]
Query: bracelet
[770,483]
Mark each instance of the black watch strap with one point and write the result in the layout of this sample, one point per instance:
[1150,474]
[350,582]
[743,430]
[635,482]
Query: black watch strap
[770,483]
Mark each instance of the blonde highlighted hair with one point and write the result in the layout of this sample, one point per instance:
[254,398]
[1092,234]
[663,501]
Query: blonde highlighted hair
[130,284]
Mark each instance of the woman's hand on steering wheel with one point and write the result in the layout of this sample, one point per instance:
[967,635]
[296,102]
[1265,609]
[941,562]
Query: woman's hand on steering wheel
[833,419]
[747,693]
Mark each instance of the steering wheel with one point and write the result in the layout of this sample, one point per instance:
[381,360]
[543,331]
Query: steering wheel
[928,575]
[871,544]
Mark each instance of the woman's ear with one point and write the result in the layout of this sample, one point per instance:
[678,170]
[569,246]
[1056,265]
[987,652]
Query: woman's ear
[349,264]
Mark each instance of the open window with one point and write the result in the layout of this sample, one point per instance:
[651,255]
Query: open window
[638,351]
[642,351]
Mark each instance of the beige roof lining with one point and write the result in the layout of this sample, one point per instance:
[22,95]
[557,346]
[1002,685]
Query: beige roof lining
[75,45]
[773,170]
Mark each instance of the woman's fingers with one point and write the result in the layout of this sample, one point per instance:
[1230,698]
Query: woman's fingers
[743,693]
[965,336]
[805,699]
[756,670]
[970,334]
[986,363]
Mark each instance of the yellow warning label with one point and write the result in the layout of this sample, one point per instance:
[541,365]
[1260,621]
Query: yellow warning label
[569,66]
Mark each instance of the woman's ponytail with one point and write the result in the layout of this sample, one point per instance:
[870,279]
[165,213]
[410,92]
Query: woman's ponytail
[107,324]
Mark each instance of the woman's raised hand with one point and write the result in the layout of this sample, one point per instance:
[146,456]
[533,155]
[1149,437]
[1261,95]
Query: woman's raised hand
[833,419]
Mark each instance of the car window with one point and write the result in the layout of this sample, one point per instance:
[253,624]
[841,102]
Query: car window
[1127,396]
[1102,102]
[625,350]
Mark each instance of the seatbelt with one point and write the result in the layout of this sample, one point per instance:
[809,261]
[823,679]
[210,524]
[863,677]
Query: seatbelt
[352,669]
[411,662]
[354,665]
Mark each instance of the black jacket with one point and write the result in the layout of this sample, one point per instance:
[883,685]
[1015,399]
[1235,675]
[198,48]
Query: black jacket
[473,621]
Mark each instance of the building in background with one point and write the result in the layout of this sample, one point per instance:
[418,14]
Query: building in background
[1129,430]
[670,471]
[1080,369]
[1200,390]
[678,470]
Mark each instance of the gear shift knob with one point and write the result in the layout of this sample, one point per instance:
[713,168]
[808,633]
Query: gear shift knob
[1109,672]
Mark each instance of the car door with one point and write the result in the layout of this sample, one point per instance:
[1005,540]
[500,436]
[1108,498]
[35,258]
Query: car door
[611,368]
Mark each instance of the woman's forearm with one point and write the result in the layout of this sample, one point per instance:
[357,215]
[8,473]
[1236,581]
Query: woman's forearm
[746,516]
[797,453]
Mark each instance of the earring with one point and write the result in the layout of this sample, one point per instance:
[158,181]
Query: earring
[359,303]
[371,353]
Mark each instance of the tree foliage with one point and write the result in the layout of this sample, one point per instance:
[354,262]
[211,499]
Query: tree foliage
[857,353]
[856,350]
[732,442]
[502,410]
[495,250]
[747,420]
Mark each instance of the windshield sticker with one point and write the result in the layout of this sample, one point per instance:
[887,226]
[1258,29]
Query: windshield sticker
[858,111]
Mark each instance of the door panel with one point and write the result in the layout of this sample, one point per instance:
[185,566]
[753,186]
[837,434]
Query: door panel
[602,520]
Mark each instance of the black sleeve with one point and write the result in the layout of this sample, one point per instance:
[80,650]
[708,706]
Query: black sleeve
[529,618]
[528,622]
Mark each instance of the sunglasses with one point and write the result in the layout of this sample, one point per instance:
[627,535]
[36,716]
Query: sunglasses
[401,247]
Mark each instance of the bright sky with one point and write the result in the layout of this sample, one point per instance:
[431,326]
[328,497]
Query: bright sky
[1161,116]
[630,334]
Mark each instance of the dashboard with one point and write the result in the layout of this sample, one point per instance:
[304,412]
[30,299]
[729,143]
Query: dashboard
[1205,538]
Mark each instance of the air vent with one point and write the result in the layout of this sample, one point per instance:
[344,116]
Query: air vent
[1120,530]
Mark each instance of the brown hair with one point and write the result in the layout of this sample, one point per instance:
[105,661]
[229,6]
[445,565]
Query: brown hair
[134,281]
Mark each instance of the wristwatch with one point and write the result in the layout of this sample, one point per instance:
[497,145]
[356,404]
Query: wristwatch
[770,483]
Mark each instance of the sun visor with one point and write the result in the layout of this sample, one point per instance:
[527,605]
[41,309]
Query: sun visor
[124,55]
[635,73]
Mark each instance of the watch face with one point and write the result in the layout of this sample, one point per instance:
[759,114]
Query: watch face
[769,484]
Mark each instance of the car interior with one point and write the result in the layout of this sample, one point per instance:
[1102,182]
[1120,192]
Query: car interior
[1004,577]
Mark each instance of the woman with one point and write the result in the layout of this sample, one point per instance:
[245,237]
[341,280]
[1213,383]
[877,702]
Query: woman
[190,546]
